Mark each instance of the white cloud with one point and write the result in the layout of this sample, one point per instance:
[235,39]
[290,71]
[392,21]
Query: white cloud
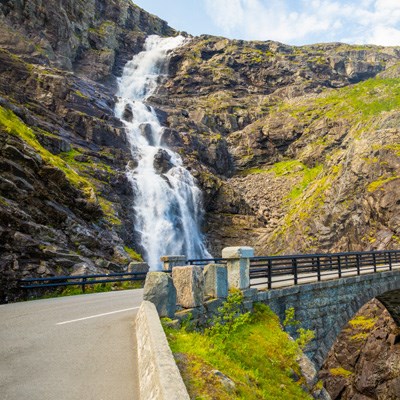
[307,21]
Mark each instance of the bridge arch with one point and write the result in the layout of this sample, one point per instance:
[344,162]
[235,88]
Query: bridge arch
[326,307]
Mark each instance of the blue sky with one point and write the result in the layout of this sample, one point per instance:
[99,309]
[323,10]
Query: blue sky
[288,21]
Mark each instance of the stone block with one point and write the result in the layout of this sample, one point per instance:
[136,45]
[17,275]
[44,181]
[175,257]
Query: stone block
[136,266]
[159,290]
[189,284]
[238,252]
[216,281]
[212,306]
[250,294]
[172,261]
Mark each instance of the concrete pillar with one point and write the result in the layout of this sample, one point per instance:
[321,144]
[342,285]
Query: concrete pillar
[238,265]
[136,266]
[173,261]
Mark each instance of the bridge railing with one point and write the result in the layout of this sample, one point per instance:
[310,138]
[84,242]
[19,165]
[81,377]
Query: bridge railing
[205,261]
[296,269]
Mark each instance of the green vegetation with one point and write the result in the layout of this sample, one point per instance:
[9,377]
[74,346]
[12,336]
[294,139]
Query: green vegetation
[363,322]
[304,336]
[340,372]
[132,254]
[373,186]
[250,349]
[14,126]
[65,162]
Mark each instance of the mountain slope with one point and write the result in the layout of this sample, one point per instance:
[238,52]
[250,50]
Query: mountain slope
[64,193]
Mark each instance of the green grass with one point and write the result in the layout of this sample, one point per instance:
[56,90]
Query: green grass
[258,357]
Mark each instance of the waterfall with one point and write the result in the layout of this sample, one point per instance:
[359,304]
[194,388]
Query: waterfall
[167,202]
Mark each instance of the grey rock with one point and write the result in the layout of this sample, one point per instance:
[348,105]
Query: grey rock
[160,290]
[162,162]
[128,114]
[228,383]
[147,133]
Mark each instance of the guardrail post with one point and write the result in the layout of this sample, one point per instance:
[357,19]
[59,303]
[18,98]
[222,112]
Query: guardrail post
[358,263]
[339,267]
[390,261]
[83,285]
[374,261]
[269,274]
[318,269]
[238,265]
[173,261]
[294,270]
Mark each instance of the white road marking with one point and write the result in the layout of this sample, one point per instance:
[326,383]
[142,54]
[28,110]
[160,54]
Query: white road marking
[96,316]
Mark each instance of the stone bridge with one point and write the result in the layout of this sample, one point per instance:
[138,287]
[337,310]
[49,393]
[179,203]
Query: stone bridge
[324,305]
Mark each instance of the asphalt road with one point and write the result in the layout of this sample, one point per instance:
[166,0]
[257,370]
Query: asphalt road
[78,347]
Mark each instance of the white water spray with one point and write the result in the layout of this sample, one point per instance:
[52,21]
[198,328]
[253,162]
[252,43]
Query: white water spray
[167,201]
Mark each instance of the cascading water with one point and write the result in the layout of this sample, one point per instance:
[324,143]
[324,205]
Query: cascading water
[167,201]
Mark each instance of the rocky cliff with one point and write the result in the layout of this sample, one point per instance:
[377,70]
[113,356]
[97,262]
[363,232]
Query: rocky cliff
[364,362]
[65,202]
[289,142]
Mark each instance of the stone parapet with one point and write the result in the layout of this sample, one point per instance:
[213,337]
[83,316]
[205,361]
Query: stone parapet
[215,281]
[159,377]
[170,262]
[189,284]
[238,265]
[160,290]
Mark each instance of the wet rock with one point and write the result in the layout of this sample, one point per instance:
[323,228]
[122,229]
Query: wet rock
[162,162]
[128,114]
[147,133]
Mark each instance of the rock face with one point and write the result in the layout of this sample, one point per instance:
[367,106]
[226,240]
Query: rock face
[364,363]
[287,142]
[65,202]
[95,38]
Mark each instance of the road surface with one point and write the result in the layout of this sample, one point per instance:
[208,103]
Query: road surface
[78,347]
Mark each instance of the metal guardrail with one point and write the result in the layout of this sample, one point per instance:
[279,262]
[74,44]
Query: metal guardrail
[205,261]
[80,280]
[297,268]
[266,271]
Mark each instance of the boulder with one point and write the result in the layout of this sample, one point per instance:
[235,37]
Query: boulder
[127,115]
[189,284]
[147,133]
[159,290]
[162,162]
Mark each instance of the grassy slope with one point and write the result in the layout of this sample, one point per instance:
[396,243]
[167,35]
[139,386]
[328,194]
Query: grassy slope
[258,357]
